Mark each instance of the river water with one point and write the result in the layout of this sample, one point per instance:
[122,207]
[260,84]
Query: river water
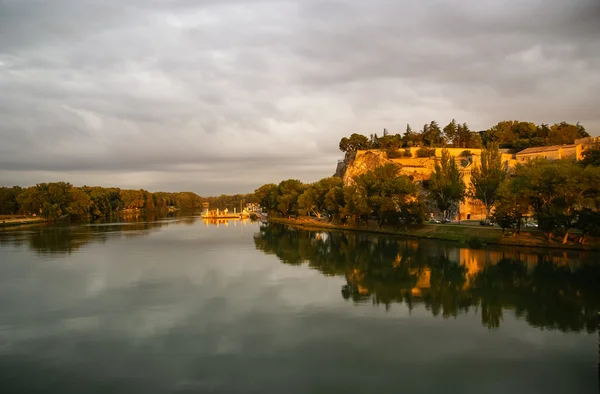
[178,305]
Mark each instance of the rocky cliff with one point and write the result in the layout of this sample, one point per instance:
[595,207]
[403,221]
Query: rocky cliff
[417,168]
[362,162]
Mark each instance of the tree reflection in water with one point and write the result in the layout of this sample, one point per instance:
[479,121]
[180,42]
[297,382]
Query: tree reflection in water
[66,238]
[548,289]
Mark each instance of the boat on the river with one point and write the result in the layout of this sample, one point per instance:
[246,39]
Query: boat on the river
[224,214]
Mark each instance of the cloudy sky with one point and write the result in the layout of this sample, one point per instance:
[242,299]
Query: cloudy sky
[221,96]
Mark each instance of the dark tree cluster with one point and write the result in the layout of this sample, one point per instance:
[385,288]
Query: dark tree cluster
[59,199]
[561,195]
[514,135]
[382,195]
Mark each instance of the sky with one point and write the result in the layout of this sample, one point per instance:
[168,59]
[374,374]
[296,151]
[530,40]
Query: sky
[222,96]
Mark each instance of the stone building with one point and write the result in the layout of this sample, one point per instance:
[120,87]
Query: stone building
[420,168]
[554,152]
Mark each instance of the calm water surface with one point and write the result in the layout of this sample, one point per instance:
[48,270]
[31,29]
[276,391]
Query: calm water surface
[182,306]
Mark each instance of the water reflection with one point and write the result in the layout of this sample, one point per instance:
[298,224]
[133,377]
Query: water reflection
[548,289]
[66,238]
[226,222]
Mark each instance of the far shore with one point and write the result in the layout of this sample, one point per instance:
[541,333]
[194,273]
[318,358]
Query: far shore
[11,220]
[473,236]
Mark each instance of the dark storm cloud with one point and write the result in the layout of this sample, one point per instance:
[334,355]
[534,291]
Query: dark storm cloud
[259,91]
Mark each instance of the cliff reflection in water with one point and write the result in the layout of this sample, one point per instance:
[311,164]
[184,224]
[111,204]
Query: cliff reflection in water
[549,289]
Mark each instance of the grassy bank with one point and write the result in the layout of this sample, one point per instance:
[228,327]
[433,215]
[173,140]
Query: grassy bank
[471,235]
[15,220]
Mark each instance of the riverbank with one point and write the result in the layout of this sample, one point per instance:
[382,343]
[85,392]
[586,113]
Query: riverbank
[9,221]
[471,235]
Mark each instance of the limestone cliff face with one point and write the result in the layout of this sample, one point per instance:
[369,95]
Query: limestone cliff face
[364,161]
[419,169]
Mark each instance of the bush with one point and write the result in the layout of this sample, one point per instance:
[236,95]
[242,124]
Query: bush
[407,153]
[393,153]
[425,152]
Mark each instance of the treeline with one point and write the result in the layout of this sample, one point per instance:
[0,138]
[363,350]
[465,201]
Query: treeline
[561,195]
[230,202]
[58,199]
[513,135]
[381,194]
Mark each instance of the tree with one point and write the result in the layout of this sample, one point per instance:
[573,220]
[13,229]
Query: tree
[487,177]
[386,192]
[512,206]
[288,193]
[80,204]
[308,202]
[410,138]
[132,199]
[432,135]
[354,143]
[355,205]
[8,200]
[451,133]
[266,196]
[591,156]
[446,185]
[565,133]
[588,222]
[557,191]
[314,199]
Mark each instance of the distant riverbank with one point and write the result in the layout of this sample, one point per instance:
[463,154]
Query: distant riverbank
[10,220]
[470,235]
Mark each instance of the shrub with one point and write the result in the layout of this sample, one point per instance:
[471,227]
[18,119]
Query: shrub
[393,153]
[425,152]
[407,153]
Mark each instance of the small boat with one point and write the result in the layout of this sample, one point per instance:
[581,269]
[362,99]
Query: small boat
[225,214]
[217,214]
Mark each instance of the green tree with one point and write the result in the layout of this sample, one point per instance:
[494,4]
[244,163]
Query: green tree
[591,156]
[80,204]
[266,196]
[132,199]
[411,138]
[314,198]
[386,192]
[451,133]
[557,191]
[355,205]
[446,185]
[288,193]
[432,135]
[565,133]
[8,200]
[487,177]
[588,222]
[512,206]
[354,143]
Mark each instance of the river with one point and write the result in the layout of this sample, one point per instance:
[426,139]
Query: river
[178,305]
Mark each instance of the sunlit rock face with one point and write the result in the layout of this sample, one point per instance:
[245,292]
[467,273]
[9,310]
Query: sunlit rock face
[421,168]
[364,161]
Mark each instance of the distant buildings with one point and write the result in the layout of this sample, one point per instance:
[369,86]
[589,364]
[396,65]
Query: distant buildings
[253,208]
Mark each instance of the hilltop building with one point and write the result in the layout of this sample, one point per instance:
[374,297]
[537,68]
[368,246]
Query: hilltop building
[421,168]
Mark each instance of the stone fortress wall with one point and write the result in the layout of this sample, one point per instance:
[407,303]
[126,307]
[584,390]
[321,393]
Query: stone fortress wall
[420,168]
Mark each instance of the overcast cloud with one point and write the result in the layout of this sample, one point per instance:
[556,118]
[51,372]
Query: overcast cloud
[221,96]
